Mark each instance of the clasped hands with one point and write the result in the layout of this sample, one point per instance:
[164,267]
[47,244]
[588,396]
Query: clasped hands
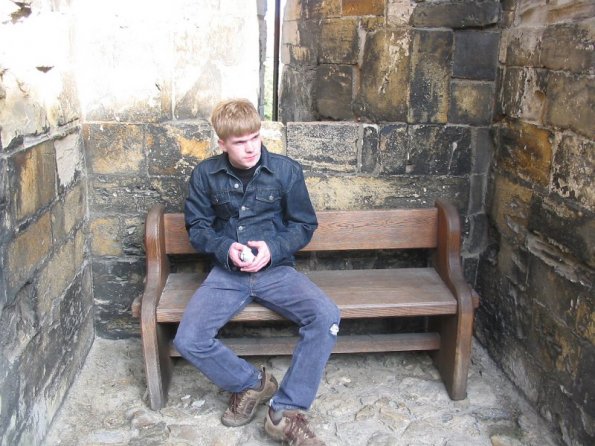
[261,260]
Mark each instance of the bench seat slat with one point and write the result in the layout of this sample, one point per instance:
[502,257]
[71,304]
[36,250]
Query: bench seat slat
[389,292]
[396,342]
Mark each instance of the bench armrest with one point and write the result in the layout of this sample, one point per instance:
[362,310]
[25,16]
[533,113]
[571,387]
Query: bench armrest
[157,264]
[447,259]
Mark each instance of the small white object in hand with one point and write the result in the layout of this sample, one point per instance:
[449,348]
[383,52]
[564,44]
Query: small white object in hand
[247,256]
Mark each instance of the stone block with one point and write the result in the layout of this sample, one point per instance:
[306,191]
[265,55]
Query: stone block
[439,150]
[398,12]
[384,74]
[324,146]
[27,250]
[114,148]
[476,55]
[19,325]
[471,102]
[296,102]
[482,144]
[477,194]
[364,192]
[521,46]
[393,148]
[334,89]
[273,136]
[539,12]
[569,47]
[35,179]
[55,277]
[574,169]
[359,8]
[456,14]
[510,209]
[175,148]
[569,102]
[316,9]
[4,197]
[370,149]
[476,240]
[135,196]
[522,93]
[69,212]
[525,150]
[73,312]
[430,80]
[570,227]
[104,233]
[300,43]
[339,41]
[116,283]
[69,158]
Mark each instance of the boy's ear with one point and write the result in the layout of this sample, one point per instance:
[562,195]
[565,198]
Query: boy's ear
[222,145]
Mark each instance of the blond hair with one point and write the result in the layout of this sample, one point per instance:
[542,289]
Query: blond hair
[235,117]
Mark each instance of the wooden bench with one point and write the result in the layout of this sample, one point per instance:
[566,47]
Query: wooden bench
[439,292]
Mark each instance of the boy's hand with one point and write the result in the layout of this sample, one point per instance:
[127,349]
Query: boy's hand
[261,260]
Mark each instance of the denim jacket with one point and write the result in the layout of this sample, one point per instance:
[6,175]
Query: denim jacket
[275,208]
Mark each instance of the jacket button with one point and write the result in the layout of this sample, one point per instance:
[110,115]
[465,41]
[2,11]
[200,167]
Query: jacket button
[243,208]
[271,197]
[240,228]
[236,185]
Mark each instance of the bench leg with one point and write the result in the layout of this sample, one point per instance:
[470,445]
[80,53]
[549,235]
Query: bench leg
[454,356]
[158,364]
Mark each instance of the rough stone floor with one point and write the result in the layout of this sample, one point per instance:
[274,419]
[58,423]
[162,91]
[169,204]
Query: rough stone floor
[368,400]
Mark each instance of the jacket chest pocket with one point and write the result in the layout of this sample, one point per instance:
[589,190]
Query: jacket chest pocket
[222,205]
[268,199]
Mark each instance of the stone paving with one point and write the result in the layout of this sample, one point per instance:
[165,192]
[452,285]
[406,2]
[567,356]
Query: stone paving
[366,399]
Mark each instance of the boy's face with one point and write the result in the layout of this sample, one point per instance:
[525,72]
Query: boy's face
[243,151]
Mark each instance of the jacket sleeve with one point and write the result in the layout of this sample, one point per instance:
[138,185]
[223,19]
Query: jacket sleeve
[199,218]
[299,221]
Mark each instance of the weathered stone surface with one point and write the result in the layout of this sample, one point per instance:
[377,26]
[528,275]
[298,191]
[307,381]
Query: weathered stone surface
[521,46]
[538,12]
[523,94]
[334,85]
[525,150]
[370,153]
[482,144]
[35,173]
[175,148]
[398,12]
[393,148]
[476,55]
[456,14]
[104,233]
[384,91]
[339,41]
[357,192]
[574,169]
[27,250]
[569,102]
[114,148]
[477,194]
[4,197]
[471,102]
[359,8]
[296,102]
[69,212]
[128,195]
[324,146]
[273,136]
[69,158]
[300,43]
[569,47]
[116,284]
[312,9]
[510,208]
[430,66]
[439,150]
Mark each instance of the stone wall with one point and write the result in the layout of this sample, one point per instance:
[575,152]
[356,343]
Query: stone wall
[46,317]
[536,279]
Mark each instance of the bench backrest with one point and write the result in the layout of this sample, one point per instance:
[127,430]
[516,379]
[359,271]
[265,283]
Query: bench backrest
[343,231]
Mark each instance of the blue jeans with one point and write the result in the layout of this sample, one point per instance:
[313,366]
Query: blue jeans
[283,290]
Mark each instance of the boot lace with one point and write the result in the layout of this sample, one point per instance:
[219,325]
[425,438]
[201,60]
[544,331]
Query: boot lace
[299,429]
